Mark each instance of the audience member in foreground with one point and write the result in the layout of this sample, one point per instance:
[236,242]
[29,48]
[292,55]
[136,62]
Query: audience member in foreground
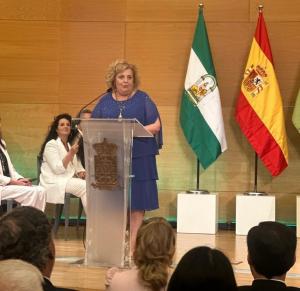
[203,269]
[25,234]
[17,275]
[14,186]
[155,248]
[271,253]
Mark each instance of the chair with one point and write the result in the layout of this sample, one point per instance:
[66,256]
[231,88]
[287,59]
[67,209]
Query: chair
[62,208]
[9,204]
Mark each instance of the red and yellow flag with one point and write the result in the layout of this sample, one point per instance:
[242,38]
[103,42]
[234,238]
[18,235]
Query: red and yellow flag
[259,111]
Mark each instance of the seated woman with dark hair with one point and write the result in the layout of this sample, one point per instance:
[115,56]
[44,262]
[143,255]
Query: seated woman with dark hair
[203,269]
[61,170]
[153,254]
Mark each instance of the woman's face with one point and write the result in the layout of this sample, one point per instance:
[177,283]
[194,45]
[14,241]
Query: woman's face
[125,82]
[63,128]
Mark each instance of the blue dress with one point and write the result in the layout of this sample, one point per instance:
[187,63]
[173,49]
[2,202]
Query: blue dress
[144,194]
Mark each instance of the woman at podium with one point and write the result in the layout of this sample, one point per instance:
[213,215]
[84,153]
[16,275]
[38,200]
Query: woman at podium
[124,100]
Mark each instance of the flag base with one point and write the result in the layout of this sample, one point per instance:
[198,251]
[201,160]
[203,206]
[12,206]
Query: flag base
[200,191]
[252,193]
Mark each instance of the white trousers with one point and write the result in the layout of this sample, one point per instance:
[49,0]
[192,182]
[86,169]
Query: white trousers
[34,196]
[77,187]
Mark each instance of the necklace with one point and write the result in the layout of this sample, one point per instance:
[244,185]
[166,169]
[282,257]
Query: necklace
[121,105]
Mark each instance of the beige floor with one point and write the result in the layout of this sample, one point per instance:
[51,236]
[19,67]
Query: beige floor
[68,273]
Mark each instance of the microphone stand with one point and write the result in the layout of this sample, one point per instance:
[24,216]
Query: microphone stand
[98,97]
[76,135]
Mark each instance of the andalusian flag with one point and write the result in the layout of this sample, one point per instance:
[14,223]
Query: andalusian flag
[296,113]
[201,115]
[259,107]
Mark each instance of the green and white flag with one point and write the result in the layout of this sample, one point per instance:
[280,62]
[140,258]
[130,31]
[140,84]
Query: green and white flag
[296,113]
[201,113]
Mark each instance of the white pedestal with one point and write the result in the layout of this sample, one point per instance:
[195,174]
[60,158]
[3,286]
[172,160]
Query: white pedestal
[298,216]
[251,210]
[197,213]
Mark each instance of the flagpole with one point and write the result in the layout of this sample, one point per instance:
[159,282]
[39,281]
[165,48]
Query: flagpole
[198,190]
[198,175]
[255,174]
[260,9]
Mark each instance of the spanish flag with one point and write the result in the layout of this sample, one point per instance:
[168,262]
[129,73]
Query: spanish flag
[259,111]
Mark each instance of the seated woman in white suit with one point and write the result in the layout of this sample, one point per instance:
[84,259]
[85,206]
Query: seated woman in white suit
[61,170]
[14,186]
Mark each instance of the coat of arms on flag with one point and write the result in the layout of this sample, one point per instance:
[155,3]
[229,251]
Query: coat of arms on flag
[202,87]
[255,80]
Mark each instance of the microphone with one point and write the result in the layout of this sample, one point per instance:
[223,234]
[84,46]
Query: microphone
[78,136]
[98,97]
[75,123]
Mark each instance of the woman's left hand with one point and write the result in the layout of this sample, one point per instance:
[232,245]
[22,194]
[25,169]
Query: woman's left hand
[81,175]
[26,181]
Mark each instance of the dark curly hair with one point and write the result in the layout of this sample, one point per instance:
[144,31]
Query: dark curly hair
[26,234]
[52,134]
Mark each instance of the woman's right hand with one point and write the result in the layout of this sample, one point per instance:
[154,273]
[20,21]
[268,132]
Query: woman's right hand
[74,149]
[70,155]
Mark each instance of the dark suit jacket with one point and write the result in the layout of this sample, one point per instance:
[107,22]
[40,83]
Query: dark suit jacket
[267,285]
[48,286]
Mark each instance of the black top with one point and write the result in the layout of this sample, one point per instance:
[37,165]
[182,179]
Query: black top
[48,286]
[266,285]
[4,164]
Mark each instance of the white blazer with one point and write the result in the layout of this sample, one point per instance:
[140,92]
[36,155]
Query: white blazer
[54,176]
[4,180]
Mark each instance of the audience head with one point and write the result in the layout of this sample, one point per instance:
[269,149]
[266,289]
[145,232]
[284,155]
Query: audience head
[118,67]
[25,234]
[271,249]
[154,251]
[18,275]
[53,132]
[203,268]
[83,114]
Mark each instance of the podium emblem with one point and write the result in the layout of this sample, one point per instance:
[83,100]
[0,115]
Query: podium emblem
[106,170]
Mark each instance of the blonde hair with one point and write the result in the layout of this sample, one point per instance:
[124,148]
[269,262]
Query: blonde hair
[117,67]
[18,275]
[155,248]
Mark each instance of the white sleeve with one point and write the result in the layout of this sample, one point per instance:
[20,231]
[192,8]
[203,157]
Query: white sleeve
[52,158]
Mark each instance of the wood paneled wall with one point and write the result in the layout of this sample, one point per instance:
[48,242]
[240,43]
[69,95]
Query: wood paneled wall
[54,55]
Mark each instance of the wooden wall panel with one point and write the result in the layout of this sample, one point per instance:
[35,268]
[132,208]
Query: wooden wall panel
[276,10]
[87,48]
[30,9]
[161,57]
[29,62]
[93,10]
[185,11]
